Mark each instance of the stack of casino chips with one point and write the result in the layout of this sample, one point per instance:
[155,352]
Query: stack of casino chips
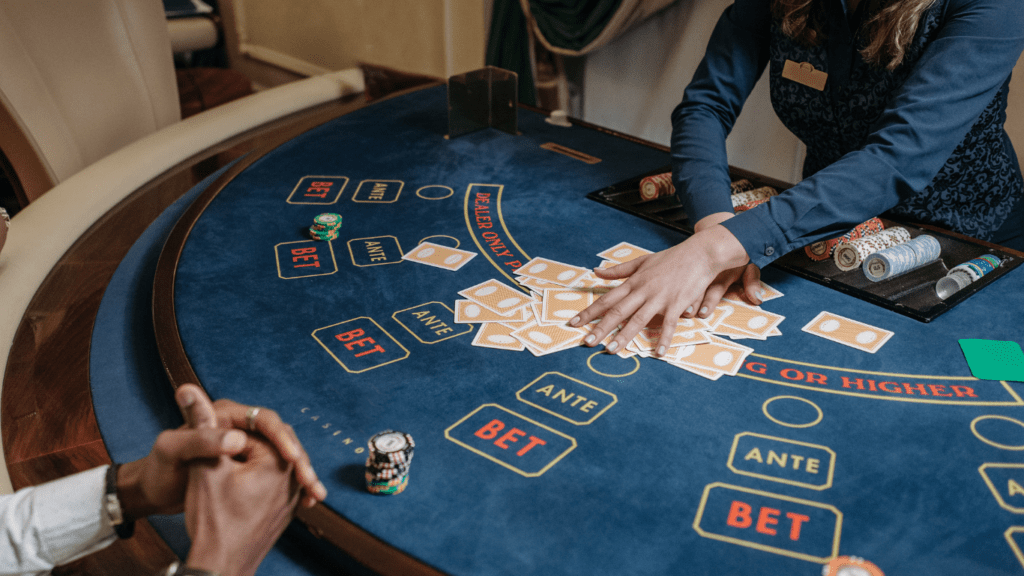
[747,199]
[741,185]
[820,251]
[960,276]
[656,186]
[325,226]
[850,566]
[852,254]
[902,258]
[387,465]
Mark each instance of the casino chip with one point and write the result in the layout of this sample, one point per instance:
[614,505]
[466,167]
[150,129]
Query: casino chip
[824,250]
[901,258]
[325,227]
[850,566]
[387,464]
[656,186]
[747,199]
[960,276]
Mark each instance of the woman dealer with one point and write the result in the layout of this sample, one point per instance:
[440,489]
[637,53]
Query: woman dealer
[903,112]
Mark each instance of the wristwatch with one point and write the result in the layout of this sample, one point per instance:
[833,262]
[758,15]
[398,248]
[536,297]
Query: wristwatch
[177,569]
[112,504]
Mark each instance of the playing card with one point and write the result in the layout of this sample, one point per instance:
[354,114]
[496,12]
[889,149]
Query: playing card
[754,321]
[496,297]
[705,372]
[439,256]
[552,271]
[492,335]
[564,304]
[718,355]
[469,312]
[624,252]
[848,332]
[735,293]
[548,339]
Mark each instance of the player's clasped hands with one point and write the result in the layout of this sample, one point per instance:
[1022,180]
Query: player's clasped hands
[686,280]
[239,502]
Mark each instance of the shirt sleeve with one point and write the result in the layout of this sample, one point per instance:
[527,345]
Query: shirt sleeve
[735,58]
[957,76]
[54,523]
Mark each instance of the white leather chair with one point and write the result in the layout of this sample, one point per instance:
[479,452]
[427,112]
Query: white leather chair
[89,113]
[81,79]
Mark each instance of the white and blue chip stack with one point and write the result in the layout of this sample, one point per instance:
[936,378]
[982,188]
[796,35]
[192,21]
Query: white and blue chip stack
[902,258]
[959,277]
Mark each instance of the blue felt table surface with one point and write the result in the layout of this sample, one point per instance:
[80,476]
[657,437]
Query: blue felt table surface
[134,401]
[636,492]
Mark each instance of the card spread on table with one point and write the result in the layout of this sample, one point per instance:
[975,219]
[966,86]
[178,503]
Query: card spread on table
[538,322]
[735,293]
[624,252]
[718,315]
[439,256]
[715,355]
[564,304]
[535,284]
[751,320]
[705,372]
[650,337]
[469,312]
[493,335]
[848,332]
[496,297]
[548,339]
[552,271]
[737,334]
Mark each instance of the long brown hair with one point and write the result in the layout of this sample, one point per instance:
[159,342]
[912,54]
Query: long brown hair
[890,28]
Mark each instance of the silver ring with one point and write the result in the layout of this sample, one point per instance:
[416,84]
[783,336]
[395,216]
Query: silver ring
[250,418]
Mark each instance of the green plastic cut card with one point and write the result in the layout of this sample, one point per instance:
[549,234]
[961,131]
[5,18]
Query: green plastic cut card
[994,359]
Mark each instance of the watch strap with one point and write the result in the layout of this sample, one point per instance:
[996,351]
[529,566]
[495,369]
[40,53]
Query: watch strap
[123,527]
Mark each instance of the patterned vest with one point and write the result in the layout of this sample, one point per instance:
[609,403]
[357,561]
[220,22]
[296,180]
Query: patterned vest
[975,190]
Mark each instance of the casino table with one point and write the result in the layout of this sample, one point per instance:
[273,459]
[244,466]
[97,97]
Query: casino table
[578,462]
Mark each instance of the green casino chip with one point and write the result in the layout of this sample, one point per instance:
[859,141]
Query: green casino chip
[328,220]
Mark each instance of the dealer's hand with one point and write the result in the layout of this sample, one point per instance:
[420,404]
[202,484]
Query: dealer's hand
[236,507]
[685,280]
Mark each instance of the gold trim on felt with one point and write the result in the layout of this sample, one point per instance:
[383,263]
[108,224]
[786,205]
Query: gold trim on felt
[352,254]
[502,463]
[355,195]
[342,364]
[457,243]
[615,399]
[336,198]
[995,491]
[596,371]
[978,435]
[501,219]
[1017,401]
[762,547]
[416,336]
[451,192]
[330,247]
[764,408]
[831,466]
[1013,543]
